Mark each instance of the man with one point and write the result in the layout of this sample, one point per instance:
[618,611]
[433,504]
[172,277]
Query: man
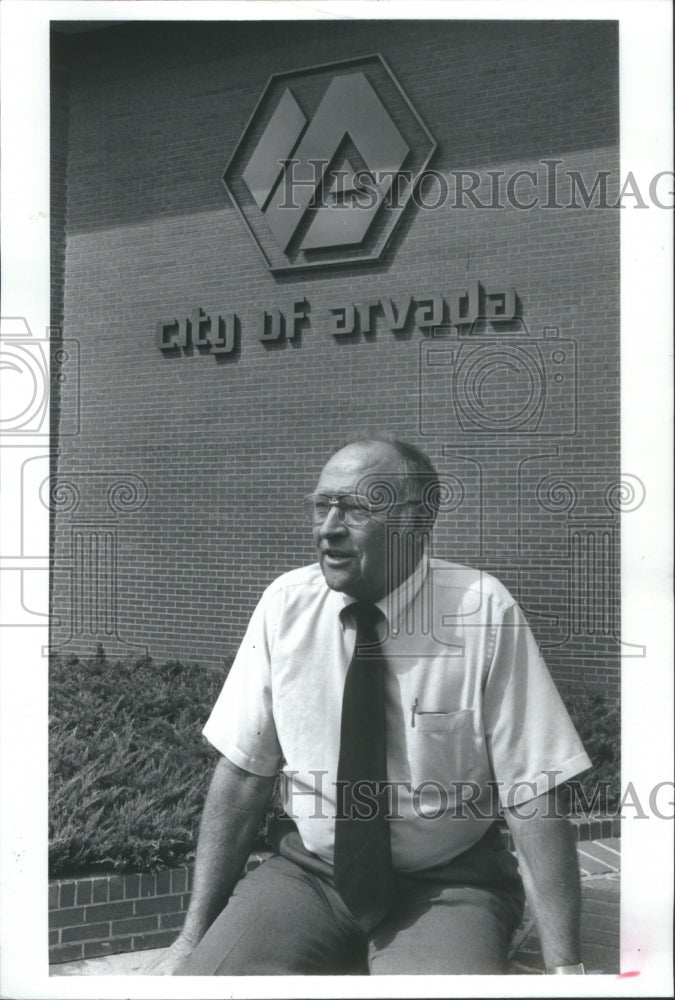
[404,700]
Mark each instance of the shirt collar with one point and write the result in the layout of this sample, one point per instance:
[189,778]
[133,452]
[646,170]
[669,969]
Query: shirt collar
[394,605]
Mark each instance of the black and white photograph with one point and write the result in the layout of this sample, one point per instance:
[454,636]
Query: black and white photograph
[336,545]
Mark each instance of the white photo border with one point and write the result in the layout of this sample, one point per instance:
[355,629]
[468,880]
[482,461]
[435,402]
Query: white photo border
[646,429]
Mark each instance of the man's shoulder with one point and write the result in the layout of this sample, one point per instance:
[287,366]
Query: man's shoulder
[304,578]
[457,580]
[296,594]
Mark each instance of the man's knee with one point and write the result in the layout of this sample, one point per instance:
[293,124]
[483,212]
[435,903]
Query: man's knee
[277,922]
[461,931]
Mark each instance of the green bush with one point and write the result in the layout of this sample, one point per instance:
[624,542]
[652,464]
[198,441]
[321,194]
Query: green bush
[598,722]
[128,765]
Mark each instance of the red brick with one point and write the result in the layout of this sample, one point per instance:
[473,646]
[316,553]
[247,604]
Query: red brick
[65,953]
[67,894]
[157,904]
[163,883]
[162,939]
[85,933]
[116,888]
[83,892]
[132,884]
[99,891]
[147,886]
[110,911]
[71,916]
[134,925]
[172,919]
[178,880]
[112,946]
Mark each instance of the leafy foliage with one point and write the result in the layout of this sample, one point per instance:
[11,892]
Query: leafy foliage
[128,765]
[598,722]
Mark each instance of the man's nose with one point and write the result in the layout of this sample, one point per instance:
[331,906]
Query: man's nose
[331,524]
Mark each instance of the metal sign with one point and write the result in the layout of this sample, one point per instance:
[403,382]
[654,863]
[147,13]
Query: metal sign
[327,164]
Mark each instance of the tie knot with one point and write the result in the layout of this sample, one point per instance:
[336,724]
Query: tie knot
[366,615]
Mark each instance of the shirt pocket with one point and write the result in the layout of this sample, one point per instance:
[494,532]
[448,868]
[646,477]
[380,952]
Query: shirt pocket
[440,752]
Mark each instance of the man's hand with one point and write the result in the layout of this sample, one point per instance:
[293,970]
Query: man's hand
[170,960]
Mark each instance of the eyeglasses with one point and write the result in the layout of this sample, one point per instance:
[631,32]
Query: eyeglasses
[353,510]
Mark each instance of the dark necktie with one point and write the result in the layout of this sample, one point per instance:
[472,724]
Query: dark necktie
[362,862]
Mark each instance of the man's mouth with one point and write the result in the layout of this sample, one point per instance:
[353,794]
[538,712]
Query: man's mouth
[336,556]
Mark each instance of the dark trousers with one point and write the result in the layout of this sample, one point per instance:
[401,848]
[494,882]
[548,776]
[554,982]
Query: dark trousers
[286,917]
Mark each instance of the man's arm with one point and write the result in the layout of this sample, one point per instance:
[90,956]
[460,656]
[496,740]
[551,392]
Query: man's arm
[548,864]
[233,808]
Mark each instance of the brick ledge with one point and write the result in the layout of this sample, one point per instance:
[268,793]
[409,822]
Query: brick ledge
[97,915]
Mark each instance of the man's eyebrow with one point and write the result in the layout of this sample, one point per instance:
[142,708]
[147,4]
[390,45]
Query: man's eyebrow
[345,493]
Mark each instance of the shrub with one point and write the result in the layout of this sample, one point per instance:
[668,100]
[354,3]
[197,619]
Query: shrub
[598,722]
[128,765]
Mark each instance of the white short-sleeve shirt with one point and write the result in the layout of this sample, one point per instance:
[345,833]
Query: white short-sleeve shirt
[473,718]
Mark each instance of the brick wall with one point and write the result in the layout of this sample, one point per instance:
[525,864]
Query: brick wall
[116,913]
[108,914]
[216,456]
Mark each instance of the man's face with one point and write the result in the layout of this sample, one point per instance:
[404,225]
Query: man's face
[353,559]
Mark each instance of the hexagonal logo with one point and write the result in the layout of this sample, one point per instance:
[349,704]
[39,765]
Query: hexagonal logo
[327,164]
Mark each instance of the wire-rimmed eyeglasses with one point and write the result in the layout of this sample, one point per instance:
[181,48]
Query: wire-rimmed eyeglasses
[353,510]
